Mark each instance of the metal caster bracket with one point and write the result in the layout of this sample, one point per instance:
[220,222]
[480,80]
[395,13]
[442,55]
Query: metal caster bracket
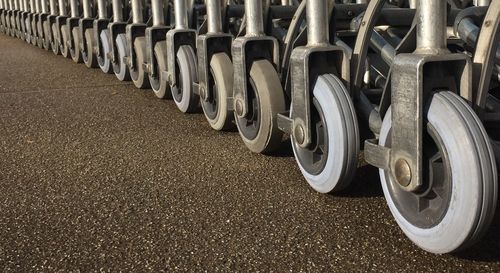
[154,34]
[306,64]
[208,45]
[84,24]
[413,80]
[99,25]
[115,28]
[133,31]
[175,39]
[245,50]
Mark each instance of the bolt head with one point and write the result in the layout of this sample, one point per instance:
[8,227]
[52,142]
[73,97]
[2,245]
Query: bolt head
[239,107]
[298,134]
[402,172]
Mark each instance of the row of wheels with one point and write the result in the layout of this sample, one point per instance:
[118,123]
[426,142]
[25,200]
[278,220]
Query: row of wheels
[450,212]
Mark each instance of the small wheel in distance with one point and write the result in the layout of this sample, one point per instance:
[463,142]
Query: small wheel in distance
[89,58]
[183,94]
[220,81]
[329,163]
[458,199]
[46,40]
[39,31]
[259,128]
[120,67]
[76,53]
[65,39]
[103,60]
[138,75]
[56,49]
[160,84]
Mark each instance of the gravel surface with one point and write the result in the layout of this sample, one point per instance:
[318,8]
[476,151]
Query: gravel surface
[97,175]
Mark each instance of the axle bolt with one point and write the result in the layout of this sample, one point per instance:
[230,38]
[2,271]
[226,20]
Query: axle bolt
[402,172]
[298,134]
[203,93]
[239,107]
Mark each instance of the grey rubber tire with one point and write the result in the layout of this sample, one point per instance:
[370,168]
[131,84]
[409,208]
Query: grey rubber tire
[343,136]
[65,39]
[104,61]
[474,177]
[39,31]
[46,40]
[55,40]
[76,53]
[89,58]
[160,84]
[272,102]
[138,75]
[120,68]
[27,25]
[187,70]
[221,68]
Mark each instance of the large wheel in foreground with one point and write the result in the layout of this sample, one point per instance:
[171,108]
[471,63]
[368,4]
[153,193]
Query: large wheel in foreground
[215,107]
[259,128]
[183,93]
[457,203]
[329,163]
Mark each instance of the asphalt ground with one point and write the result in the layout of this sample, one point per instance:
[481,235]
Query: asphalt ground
[96,175]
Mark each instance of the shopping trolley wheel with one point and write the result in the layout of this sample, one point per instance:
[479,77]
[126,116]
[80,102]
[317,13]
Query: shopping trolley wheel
[88,55]
[120,67]
[103,60]
[183,92]
[139,76]
[457,201]
[159,83]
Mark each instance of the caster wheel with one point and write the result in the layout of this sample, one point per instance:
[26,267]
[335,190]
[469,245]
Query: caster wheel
[65,38]
[183,94]
[75,51]
[259,128]
[458,199]
[138,75]
[27,36]
[46,42]
[329,163]
[55,40]
[215,107]
[159,84]
[120,67]
[39,31]
[103,60]
[34,36]
[89,58]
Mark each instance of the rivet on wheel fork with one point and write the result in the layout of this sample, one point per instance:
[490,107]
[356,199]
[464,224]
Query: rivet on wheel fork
[239,108]
[402,172]
[203,93]
[298,134]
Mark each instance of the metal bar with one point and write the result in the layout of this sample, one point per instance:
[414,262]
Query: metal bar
[214,16]
[181,17]
[37,6]
[484,56]
[137,11]
[317,22]
[158,15]
[117,11]
[482,3]
[87,10]
[53,7]
[431,27]
[43,5]
[101,9]
[62,7]
[254,18]
[414,4]
[74,8]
